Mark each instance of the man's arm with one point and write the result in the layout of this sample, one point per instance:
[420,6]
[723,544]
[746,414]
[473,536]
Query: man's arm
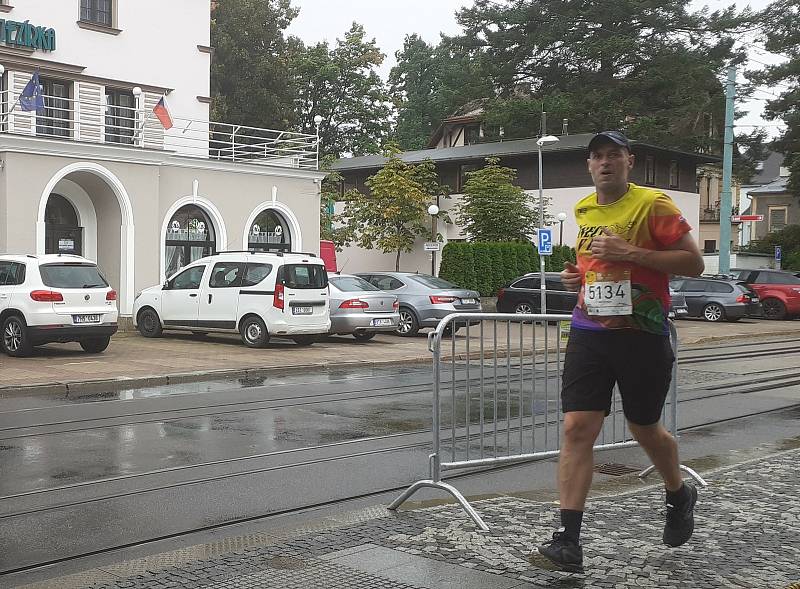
[682,257]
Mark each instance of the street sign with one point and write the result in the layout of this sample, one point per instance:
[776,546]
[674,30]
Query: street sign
[432,246]
[545,242]
[739,218]
[778,253]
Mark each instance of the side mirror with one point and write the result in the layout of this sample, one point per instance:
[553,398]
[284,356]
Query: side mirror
[165,286]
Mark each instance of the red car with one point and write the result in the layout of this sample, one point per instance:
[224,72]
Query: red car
[779,291]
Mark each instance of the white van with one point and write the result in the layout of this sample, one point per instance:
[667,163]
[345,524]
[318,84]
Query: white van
[257,295]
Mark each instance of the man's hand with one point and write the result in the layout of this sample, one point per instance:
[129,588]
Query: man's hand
[611,248]
[571,277]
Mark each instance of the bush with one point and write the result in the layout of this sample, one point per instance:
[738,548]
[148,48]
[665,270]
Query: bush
[488,266]
[792,261]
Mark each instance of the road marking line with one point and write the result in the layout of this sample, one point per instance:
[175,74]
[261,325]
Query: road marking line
[86,362]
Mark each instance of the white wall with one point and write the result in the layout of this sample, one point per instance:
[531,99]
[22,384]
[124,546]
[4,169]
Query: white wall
[561,199]
[157,45]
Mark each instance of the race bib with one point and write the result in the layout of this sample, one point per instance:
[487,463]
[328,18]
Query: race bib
[608,293]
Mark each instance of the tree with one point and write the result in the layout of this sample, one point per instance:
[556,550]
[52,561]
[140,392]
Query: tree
[393,214]
[342,86]
[329,229]
[250,82]
[648,67]
[782,36]
[428,84]
[493,208]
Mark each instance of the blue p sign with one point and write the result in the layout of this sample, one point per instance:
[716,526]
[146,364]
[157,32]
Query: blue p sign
[777,253]
[545,242]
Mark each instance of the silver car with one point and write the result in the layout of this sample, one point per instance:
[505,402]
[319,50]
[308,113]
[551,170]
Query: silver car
[424,299]
[360,309]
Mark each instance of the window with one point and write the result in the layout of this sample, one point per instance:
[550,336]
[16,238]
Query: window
[463,171]
[190,236]
[255,273]
[55,119]
[720,287]
[650,170]
[120,116]
[676,285]
[386,282]
[473,134]
[776,278]
[72,275]
[709,246]
[554,284]
[226,275]
[352,284]
[674,179]
[189,279]
[98,12]
[432,281]
[694,286]
[269,232]
[304,276]
[12,273]
[526,283]
[777,218]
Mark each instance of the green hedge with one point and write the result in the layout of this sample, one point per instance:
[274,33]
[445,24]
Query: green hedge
[488,266]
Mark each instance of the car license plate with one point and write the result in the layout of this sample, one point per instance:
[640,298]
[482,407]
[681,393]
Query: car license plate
[381,323]
[85,319]
[468,301]
[302,310]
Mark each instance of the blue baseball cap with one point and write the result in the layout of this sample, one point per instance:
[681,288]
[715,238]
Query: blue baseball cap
[616,137]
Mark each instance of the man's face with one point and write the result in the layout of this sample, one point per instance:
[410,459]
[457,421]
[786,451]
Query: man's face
[610,165]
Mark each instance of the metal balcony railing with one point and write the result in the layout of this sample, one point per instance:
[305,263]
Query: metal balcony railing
[100,122]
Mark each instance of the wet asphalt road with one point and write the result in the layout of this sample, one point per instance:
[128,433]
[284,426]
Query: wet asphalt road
[97,470]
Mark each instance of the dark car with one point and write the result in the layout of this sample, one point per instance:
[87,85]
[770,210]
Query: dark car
[779,291]
[523,295]
[717,299]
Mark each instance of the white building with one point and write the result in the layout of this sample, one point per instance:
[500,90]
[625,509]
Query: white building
[95,172]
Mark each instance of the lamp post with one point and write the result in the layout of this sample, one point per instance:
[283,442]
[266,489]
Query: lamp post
[433,210]
[541,142]
[317,123]
[561,218]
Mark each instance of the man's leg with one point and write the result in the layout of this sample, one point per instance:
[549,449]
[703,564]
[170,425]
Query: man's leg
[576,459]
[662,449]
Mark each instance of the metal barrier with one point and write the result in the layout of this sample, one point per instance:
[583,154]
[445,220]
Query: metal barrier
[504,402]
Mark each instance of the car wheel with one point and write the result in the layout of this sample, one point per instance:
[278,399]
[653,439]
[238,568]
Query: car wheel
[304,340]
[254,332]
[148,323]
[450,329]
[363,336]
[524,309]
[773,309]
[713,312]
[408,326]
[15,337]
[95,345]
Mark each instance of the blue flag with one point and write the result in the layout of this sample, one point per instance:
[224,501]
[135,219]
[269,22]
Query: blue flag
[31,97]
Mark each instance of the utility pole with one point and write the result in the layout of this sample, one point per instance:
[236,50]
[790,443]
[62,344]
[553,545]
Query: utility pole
[727,171]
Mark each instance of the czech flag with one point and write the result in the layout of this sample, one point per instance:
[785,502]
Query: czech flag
[162,113]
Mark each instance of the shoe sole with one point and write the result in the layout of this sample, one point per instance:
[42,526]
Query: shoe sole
[691,531]
[560,566]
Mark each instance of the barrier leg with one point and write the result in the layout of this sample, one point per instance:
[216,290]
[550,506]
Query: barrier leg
[444,487]
[693,474]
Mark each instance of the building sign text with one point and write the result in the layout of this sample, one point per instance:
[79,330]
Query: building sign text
[24,34]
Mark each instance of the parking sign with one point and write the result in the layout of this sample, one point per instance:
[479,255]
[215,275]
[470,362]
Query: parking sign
[777,253]
[545,242]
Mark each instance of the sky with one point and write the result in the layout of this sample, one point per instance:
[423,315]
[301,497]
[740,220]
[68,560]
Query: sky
[390,22]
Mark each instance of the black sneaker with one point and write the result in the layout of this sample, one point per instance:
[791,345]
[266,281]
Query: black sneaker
[680,521]
[563,552]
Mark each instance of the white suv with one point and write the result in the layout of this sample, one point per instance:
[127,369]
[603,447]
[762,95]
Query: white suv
[54,298]
[257,295]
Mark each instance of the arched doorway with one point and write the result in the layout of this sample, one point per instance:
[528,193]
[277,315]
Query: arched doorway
[190,236]
[269,231]
[63,233]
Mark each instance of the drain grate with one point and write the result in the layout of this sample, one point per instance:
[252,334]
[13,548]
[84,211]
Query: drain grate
[615,470]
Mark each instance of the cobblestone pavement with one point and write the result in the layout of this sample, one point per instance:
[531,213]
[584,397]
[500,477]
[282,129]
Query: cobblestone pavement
[746,536]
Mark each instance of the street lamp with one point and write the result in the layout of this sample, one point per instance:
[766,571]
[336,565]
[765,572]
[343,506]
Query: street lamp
[541,142]
[317,123]
[433,210]
[561,218]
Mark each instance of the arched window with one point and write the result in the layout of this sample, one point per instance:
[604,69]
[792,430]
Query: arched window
[269,232]
[190,236]
[63,234]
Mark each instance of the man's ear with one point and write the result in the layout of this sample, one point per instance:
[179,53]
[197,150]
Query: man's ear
[631,161]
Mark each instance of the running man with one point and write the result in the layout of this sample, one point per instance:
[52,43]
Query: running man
[630,239]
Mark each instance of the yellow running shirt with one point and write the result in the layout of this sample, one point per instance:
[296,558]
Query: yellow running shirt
[621,295]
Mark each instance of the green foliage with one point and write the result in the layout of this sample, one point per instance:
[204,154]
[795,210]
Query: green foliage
[781,35]
[788,238]
[393,215]
[250,79]
[493,208]
[792,261]
[341,84]
[487,266]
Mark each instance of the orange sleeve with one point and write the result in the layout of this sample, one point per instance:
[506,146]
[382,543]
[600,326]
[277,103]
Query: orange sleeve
[666,222]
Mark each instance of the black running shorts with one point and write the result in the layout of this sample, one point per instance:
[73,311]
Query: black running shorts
[639,362]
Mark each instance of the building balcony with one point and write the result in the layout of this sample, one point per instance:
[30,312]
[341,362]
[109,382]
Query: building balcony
[711,215]
[96,121]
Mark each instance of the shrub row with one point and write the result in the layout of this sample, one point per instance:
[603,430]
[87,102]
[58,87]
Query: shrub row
[488,266]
